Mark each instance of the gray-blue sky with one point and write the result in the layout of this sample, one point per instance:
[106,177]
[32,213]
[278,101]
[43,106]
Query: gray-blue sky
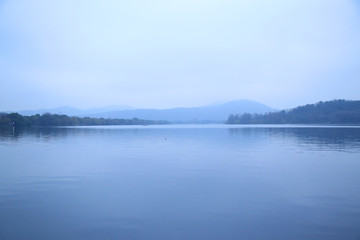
[160,53]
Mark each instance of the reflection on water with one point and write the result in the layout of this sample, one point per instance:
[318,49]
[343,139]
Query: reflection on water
[332,137]
[180,182]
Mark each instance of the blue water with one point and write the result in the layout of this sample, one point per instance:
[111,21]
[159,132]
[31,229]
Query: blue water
[180,182]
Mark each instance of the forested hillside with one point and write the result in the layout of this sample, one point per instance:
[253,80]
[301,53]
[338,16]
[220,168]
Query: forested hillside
[330,112]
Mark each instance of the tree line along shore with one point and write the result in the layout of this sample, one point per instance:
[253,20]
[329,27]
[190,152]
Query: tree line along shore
[330,112]
[47,119]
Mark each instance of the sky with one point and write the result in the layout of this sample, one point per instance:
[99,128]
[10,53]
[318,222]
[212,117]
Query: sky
[179,53]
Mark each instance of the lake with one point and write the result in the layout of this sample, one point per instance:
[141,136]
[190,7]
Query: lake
[180,182]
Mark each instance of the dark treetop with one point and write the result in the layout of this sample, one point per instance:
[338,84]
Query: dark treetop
[47,119]
[330,112]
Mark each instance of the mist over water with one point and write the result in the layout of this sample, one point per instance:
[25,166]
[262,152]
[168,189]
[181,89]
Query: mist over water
[180,182]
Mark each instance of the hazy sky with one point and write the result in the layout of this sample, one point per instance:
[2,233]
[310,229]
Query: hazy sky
[162,53]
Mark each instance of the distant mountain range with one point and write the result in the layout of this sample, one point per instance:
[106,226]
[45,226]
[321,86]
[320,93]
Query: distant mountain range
[70,111]
[217,113]
[204,114]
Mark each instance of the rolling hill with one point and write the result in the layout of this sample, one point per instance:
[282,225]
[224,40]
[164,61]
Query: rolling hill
[217,113]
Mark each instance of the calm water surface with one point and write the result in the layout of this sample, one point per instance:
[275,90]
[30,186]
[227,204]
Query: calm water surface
[180,182]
